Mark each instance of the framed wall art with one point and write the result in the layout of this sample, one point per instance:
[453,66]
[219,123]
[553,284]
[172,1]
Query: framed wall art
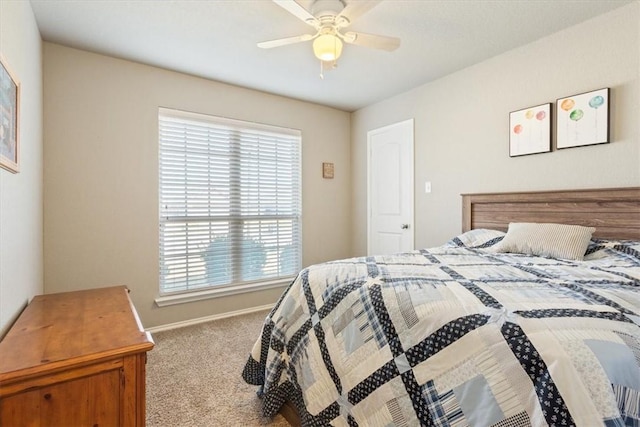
[327,170]
[9,118]
[530,130]
[583,119]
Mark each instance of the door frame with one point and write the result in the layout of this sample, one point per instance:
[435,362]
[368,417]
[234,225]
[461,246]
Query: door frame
[411,193]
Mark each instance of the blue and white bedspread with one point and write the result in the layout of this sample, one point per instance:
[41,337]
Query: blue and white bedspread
[458,335]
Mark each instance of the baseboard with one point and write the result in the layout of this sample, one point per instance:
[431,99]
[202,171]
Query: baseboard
[191,322]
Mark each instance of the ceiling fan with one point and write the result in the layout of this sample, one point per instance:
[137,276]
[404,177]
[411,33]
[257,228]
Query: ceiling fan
[329,18]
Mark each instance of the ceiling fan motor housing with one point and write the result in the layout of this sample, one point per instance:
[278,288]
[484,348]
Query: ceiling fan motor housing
[327,10]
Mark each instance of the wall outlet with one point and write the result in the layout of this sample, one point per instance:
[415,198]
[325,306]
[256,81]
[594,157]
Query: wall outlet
[427,187]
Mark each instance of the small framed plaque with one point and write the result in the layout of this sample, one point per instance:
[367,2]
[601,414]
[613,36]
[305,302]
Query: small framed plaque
[327,170]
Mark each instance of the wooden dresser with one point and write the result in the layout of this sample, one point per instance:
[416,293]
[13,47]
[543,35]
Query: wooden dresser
[75,359]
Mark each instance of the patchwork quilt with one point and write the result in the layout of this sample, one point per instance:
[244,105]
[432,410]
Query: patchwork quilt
[458,335]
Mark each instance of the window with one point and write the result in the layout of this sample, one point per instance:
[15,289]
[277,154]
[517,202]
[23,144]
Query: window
[230,205]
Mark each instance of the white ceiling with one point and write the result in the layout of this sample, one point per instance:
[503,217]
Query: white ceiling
[216,39]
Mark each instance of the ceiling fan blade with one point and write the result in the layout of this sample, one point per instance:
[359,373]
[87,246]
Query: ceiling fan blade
[372,40]
[353,10]
[282,42]
[298,11]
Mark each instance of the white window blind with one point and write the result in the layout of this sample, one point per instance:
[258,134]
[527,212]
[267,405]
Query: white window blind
[230,204]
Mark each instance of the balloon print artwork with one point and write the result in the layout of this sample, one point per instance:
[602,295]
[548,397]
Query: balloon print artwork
[530,131]
[583,119]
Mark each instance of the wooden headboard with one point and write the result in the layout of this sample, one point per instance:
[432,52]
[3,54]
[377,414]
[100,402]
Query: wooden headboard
[614,212]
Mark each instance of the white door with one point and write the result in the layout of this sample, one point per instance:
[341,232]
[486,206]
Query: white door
[390,189]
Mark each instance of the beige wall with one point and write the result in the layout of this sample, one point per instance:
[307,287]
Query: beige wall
[461,124]
[21,194]
[101,174]
[100,155]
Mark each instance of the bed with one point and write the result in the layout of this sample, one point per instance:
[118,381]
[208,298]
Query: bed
[473,332]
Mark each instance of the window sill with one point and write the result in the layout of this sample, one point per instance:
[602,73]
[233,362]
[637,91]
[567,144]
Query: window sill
[222,291]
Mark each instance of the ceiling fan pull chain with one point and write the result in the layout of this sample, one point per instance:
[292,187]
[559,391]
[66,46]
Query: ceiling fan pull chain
[322,70]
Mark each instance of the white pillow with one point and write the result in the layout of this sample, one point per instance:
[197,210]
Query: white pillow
[547,240]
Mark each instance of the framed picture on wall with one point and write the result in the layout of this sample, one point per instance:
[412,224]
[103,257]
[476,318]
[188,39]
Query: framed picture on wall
[327,170]
[9,118]
[530,130]
[583,119]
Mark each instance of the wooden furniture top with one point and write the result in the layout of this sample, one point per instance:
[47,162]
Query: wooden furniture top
[614,212]
[56,331]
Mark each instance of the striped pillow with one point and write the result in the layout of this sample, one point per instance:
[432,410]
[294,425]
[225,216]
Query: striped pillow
[547,240]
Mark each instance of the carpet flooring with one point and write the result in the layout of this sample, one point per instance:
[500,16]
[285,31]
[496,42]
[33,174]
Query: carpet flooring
[194,376]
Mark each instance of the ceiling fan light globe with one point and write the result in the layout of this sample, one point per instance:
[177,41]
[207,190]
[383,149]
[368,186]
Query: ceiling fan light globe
[327,47]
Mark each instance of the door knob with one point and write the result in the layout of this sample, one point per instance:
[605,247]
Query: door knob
[404,226]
